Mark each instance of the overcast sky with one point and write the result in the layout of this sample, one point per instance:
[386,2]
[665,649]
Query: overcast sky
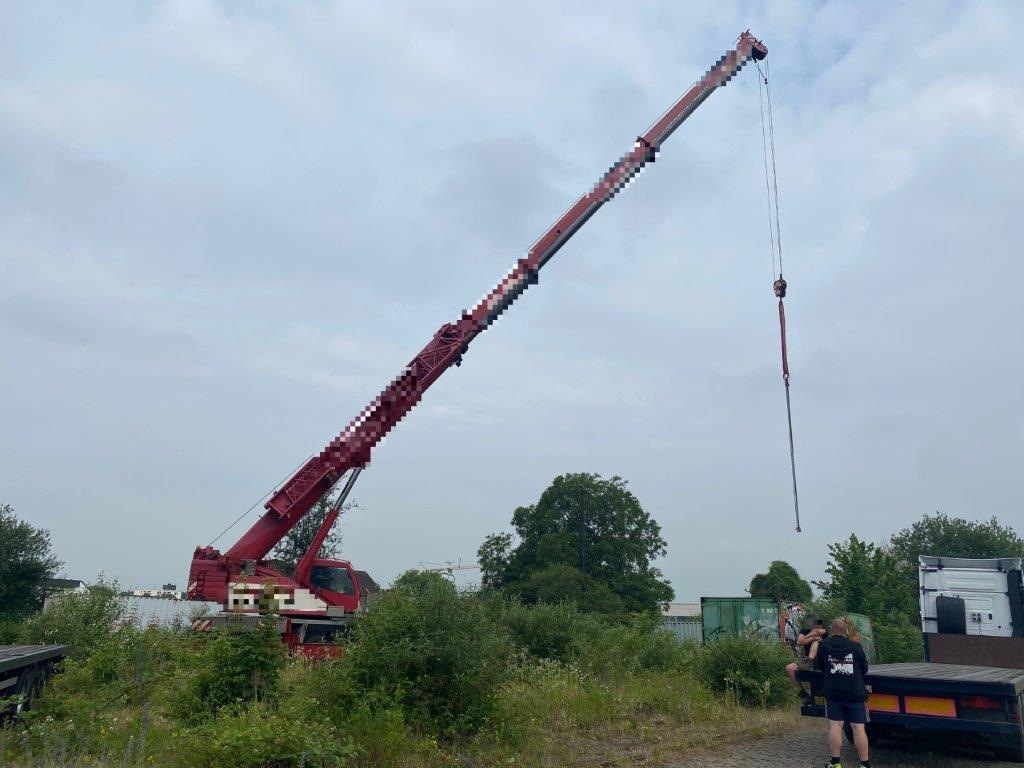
[224,226]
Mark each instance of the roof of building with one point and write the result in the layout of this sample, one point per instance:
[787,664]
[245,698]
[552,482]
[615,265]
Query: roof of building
[367,583]
[691,610]
[57,584]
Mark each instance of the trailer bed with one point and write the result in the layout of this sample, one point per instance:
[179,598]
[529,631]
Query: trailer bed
[951,673]
[24,669]
[17,656]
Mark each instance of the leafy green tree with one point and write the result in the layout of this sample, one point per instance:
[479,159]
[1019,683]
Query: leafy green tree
[864,578]
[26,562]
[946,536]
[423,581]
[587,525]
[782,584]
[295,543]
[566,584]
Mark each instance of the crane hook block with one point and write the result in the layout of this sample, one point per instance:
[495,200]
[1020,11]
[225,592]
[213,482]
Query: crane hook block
[780,287]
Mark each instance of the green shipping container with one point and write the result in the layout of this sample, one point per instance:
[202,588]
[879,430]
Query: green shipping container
[739,615]
[862,624]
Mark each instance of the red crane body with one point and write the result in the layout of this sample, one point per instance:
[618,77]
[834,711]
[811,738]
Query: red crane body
[212,572]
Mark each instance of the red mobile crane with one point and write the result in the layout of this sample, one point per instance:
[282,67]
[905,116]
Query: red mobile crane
[323,594]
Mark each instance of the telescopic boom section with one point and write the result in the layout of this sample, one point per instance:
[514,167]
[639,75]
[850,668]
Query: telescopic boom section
[352,447]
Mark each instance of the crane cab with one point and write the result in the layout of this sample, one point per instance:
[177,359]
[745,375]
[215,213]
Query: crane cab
[335,582]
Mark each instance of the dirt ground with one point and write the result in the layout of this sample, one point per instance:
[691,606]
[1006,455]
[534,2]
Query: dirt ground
[804,747]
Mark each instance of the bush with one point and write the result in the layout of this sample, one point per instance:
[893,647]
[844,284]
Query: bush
[258,737]
[751,668]
[234,666]
[633,648]
[433,652]
[82,621]
[602,644]
[544,631]
[898,642]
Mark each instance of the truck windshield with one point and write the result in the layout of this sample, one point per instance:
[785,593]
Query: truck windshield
[335,579]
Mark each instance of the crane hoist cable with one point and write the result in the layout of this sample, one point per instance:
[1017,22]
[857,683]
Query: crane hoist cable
[779,285]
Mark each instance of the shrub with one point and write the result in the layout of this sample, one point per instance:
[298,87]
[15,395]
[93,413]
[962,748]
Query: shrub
[544,631]
[82,621]
[898,642]
[747,666]
[434,653]
[258,737]
[234,666]
[634,647]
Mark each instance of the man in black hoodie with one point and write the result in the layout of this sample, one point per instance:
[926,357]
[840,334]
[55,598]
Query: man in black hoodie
[844,664]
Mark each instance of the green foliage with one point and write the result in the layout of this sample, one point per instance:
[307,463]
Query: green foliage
[749,667]
[566,584]
[586,524]
[432,651]
[300,537]
[545,631]
[781,583]
[898,642]
[602,646]
[82,621]
[863,579]
[260,736]
[946,536]
[26,561]
[423,581]
[234,666]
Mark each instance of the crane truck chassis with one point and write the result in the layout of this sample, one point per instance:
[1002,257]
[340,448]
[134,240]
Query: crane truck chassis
[324,595]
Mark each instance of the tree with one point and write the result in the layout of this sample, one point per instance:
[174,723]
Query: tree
[946,536]
[295,543]
[864,578]
[586,540]
[782,584]
[26,562]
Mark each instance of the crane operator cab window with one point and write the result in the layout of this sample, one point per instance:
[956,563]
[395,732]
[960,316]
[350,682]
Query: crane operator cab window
[333,578]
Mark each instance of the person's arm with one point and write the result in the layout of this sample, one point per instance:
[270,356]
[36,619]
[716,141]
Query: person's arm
[808,637]
[813,653]
[862,660]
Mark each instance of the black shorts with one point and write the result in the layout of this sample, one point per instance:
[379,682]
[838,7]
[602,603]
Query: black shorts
[846,711]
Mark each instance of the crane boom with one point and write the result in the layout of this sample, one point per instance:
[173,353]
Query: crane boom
[351,449]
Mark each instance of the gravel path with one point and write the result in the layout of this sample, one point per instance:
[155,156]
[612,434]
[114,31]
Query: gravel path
[805,747]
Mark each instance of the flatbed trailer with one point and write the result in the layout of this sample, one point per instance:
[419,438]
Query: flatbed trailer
[981,704]
[24,669]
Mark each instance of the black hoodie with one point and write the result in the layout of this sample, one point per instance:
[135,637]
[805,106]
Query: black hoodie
[844,664]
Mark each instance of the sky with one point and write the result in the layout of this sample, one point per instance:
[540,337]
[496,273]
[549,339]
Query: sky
[225,226]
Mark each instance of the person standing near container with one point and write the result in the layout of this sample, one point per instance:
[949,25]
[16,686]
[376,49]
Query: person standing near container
[844,665]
